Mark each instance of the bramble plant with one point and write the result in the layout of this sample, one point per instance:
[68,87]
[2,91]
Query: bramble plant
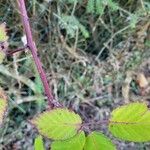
[130,122]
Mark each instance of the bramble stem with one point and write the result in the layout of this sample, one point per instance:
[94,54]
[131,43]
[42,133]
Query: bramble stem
[31,45]
[11,52]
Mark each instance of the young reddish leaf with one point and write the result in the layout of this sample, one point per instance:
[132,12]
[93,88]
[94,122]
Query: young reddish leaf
[131,122]
[97,141]
[75,143]
[58,124]
[38,143]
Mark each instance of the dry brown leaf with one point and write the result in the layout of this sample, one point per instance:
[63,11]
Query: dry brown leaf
[126,87]
[142,81]
[3,105]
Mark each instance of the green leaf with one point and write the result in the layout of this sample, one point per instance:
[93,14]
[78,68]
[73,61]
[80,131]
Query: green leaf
[58,124]
[75,143]
[2,56]
[70,1]
[133,20]
[90,6]
[3,108]
[100,7]
[3,41]
[38,143]
[131,122]
[72,24]
[147,43]
[97,141]
[147,7]
[84,31]
[3,35]
[113,5]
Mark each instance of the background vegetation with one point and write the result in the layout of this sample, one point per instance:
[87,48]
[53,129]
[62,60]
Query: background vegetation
[94,53]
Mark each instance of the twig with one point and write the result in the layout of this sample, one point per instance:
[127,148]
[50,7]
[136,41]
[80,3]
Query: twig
[143,7]
[113,36]
[11,52]
[31,45]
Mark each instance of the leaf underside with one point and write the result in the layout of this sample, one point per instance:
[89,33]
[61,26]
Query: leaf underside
[131,122]
[97,141]
[75,143]
[58,124]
